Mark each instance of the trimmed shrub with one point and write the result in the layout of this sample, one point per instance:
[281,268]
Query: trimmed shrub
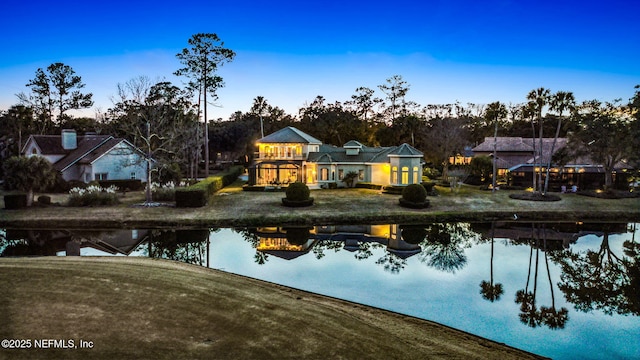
[44,199]
[415,193]
[297,195]
[15,201]
[190,197]
[414,196]
[297,192]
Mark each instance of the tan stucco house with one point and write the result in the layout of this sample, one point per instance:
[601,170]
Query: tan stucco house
[290,155]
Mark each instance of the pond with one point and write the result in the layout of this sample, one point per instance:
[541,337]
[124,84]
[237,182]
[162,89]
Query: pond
[562,290]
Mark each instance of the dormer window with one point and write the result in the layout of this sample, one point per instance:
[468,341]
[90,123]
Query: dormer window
[352,147]
[34,151]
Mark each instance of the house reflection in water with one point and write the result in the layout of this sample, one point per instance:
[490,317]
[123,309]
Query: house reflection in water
[556,235]
[291,242]
[71,242]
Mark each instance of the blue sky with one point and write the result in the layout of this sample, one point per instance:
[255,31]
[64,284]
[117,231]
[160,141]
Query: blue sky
[291,51]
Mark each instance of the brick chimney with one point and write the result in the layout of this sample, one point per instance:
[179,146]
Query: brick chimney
[69,139]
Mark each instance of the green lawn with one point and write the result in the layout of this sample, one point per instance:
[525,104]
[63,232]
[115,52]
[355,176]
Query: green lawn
[234,207]
[136,308]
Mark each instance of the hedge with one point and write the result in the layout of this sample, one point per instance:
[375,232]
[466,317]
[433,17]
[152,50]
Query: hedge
[186,197]
[15,201]
[366,185]
[131,185]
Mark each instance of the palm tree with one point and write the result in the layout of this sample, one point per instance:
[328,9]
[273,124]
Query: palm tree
[495,112]
[560,101]
[259,107]
[538,99]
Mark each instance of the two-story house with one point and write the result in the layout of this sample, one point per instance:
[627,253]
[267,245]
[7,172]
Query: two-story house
[290,155]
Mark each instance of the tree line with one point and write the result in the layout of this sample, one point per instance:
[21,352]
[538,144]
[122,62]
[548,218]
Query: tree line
[164,119]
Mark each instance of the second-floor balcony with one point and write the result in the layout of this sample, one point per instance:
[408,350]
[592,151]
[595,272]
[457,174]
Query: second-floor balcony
[272,156]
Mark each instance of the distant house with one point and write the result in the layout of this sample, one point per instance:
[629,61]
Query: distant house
[89,157]
[290,155]
[515,156]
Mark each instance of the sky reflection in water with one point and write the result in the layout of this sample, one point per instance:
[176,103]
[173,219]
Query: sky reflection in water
[445,289]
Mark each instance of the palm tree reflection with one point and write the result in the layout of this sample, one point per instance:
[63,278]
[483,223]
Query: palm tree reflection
[529,313]
[488,289]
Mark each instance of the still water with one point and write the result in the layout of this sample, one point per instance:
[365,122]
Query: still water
[563,290]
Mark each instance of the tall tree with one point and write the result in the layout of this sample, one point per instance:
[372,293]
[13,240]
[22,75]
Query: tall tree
[604,135]
[16,124]
[560,101]
[164,125]
[201,61]
[446,137]
[59,88]
[494,113]
[395,89]
[538,100]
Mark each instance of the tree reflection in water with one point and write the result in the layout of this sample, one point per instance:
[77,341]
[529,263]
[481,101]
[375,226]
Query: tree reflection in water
[444,246]
[529,313]
[488,289]
[602,280]
[189,246]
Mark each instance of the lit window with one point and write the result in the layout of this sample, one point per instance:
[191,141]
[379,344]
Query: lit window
[324,174]
[405,175]
[415,175]
[394,175]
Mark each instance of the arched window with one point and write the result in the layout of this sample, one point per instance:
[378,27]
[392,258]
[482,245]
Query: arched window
[394,175]
[324,174]
[415,175]
[405,175]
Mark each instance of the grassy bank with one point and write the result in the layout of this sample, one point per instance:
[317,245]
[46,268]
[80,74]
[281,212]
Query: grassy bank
[154,309]
[234,207]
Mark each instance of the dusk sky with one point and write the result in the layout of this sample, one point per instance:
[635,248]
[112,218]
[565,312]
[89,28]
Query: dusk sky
[291,51]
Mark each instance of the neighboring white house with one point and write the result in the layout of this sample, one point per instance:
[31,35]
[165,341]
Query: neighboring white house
[89,157]
[290,155]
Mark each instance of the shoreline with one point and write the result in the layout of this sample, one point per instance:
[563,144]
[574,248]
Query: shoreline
[333,327]
[232,207]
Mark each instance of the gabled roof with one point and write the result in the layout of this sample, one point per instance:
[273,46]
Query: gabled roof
[48,144]
[405,150]
[86,145]
[518,144]
[89,148]
[289,135]
[353,144]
